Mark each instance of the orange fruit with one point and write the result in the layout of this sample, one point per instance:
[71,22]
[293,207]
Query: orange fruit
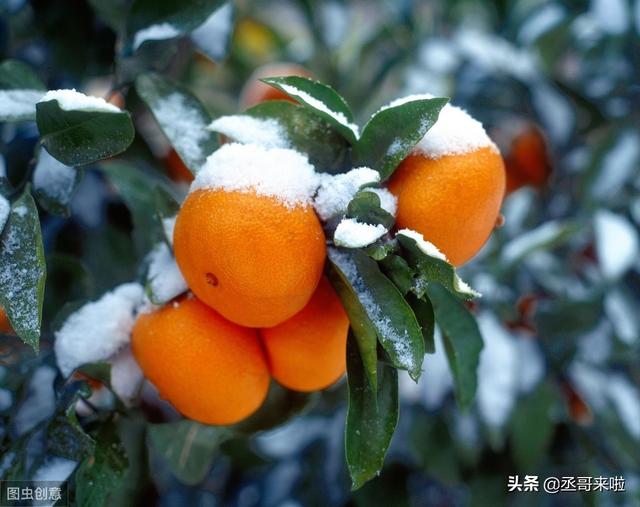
[176,168]
[255,91]
[5,325]
[308,351]
[249,256]
[527,161]
[211,370]
[453,200]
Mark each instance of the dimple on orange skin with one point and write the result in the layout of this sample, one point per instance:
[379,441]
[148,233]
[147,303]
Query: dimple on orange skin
[211,370]
[250,257]
[453,201]
[308,351]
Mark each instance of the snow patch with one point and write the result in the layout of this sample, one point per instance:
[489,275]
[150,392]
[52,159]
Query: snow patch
[281,173]
[5,209]
[388,201]
[616,243]
[353,234]
[99,329]
[71,100]
[336,191]
[165,279]
[425,246]
[19,103]
[126,376]
[168,225]
[247,129]
[53,178]
[212,35]
[40,401]
[159,31]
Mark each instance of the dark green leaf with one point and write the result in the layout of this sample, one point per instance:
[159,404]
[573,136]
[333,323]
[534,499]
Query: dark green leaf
[102,472]
[54,184]
[365,208]
[423,309]
[378,251]
[462,341]
[371,417]
[432,269]
[386,309]
[361,326]
[308,133]
[398,271]
[79,137]
[137,190]
[532,427]
[181,116]
[392,133]
[20,89]
[320,98]
[188,447]
[23,270]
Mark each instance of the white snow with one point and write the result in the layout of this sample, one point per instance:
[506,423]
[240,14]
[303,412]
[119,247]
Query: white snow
[399,342]
[463,287]
[336,191]
[168,225]
[54,470]
[622,311]
[247,129]
[212,35]
[159,31]
[353,234]
[531,367]
[425,246]
[626,399]
[540,22]
[164,277]
[320,106]
[53,178]
[556,112]
[97,330]
[16,104]
[618,165]
[455,132]
[531,241]
[617,243]
[126,376]
[388,201]
[6,399]
[613,16]
[5,209]
[39,402]
[281,173]
[184,125]
[71,100]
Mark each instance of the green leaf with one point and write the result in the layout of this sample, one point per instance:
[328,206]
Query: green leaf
[391,316]
[20,89]
[79,137]
[423,309]
[321,99]
[175,17]
[137,189]
[398,271]
[308,133]
[361,326]
[462,341]
[371,418]
[392,133]
[181,116]
[432,269]
[532,427]
[188,447]
[54,183]
[365,208]
[23,270]
[102,472]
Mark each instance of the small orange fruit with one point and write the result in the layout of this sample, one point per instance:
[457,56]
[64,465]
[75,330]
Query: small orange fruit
[527,161]
[255,91]
[252,254]
[5,325]
[451,187]
[210,369]
[177,169]
[307,352]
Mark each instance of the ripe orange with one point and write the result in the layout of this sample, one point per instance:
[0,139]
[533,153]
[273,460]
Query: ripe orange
[5,325]
[249,256]
[210,369]
[453,200]
[176,168]
[527,161]
[255,91]
[307,352]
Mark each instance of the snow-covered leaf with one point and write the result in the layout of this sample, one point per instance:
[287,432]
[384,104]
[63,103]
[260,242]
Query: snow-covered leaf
[545,236]
[372,417]
[54,183]
[20,90]
[617,243]
[181,116]
[214,35]
[320,98]
[366,208]
[462,341]
[79,136]
[393,132]
[23,270]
